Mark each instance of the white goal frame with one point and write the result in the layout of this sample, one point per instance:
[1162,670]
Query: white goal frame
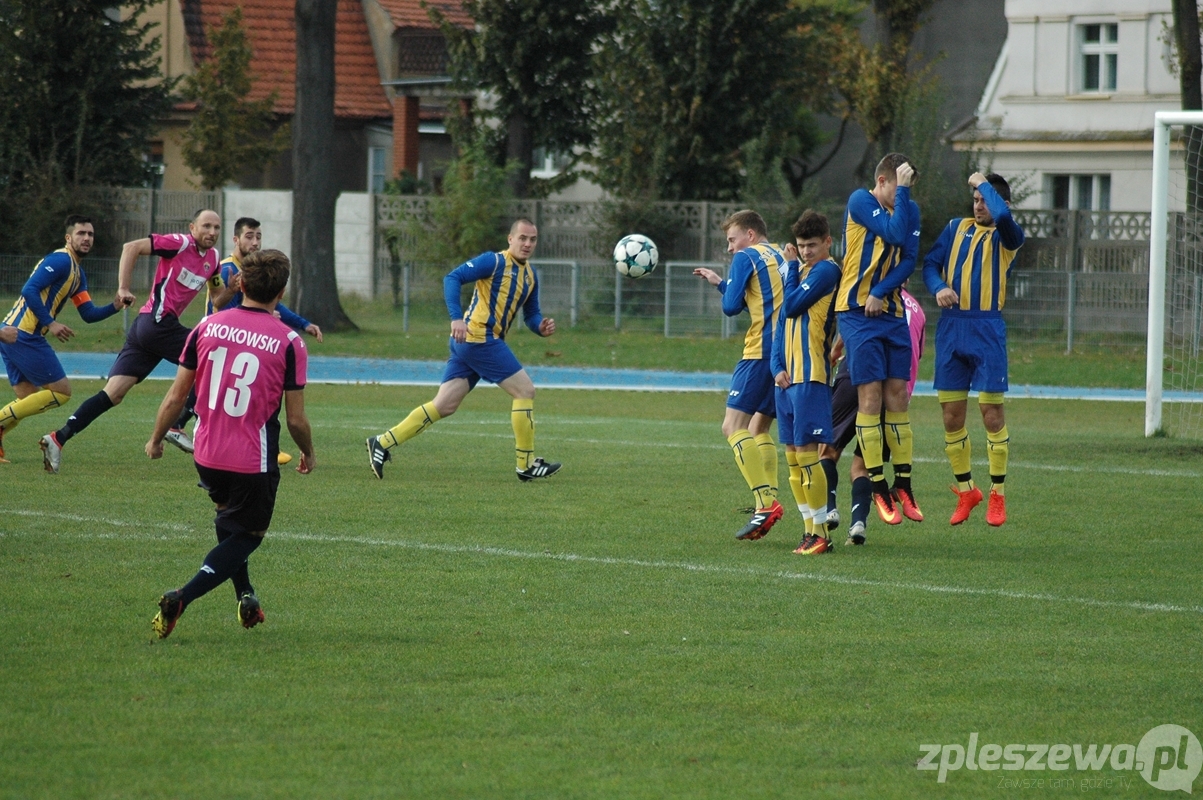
[1155,346]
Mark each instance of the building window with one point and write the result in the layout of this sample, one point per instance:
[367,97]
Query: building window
[1100,56]
[547,164]
[377,170]
[1079,192]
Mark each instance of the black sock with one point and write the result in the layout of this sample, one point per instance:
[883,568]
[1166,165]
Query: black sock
[220,565]
[242,576]
[189,410]
[862,497]
[84,416]
[902,476]
[833,480]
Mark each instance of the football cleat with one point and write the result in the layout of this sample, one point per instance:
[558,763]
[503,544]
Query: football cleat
[538,469]
[760,523]
[813,547]
[856,533]
[966,502]
[996,509]
[778,511]
[833,518]
[3,460]
[250,613]
[180,440]
[52,453]
[906,499]
[886,508]
[377,455]
[807,541]
[171,608]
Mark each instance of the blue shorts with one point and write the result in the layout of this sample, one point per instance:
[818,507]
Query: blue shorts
[752,388]
[492,360]
[971,353]
[804,414]
[878,348]
[31,359]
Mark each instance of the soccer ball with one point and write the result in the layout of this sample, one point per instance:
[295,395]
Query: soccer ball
[635,255]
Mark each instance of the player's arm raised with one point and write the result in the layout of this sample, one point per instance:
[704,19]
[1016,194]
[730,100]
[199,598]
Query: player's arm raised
[169,409]
[299,429]
[130,253]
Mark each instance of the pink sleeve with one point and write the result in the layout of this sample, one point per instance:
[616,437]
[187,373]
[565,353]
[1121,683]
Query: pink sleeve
[167,245]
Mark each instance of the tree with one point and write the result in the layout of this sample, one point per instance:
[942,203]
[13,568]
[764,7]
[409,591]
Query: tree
[536,58]
[229,135]
[1189,68]
[80,98]
[315,288]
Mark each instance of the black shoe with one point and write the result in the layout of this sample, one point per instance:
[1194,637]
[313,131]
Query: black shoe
[538,469]
[250,613]
[377,455]
[171,608]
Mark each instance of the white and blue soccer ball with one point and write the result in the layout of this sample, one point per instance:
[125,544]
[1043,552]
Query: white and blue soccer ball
[635,255]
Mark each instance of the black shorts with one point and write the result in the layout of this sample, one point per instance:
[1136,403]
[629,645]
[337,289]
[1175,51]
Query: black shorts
[149,342]
[249,499]
[844,407]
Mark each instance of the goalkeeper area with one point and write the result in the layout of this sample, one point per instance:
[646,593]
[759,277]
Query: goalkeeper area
[451,633]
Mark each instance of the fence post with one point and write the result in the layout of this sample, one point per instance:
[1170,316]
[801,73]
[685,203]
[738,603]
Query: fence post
[1195,316]
[704,245]
[1070,287]
[617,300]
[405,266]
[668,274]
[1074,217]
[574,294]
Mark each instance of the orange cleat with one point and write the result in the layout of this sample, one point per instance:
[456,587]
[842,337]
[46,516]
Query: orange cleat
[966,502]
[906,499]
[886,508]
[996,509]
[813,545]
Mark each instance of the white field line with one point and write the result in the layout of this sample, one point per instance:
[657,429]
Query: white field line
[573,558]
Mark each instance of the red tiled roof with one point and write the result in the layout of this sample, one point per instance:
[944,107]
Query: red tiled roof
[272,35]
[412,13]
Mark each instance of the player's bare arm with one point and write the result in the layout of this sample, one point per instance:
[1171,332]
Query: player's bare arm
[130,253]
[547,327]
[299,429]
[315,332]
[710,275]
[169,410]
[223,296]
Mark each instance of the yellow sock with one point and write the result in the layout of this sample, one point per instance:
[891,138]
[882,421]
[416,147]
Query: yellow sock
[418,420]
[998,449]
[897,432]
[795,480]
[751,465]
[815,484]
[35,403]
[868,434]
[957,447]
[522,418]
[768,454]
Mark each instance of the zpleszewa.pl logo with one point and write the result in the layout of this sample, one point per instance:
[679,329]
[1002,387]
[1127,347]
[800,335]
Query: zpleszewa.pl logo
[1168,757]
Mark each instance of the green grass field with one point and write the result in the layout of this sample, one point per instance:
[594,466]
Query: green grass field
[451,633]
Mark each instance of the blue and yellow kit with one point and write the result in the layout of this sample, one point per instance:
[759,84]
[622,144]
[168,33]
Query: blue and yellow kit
[880,250]
[755,282]
[226,270]
[503,285]
[806,329]
[54,280]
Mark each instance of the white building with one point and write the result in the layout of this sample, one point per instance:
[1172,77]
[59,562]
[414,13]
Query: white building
[1069,107]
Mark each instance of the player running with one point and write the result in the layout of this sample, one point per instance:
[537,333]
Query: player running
[756,283]
[30,360]
[242,362]
[187,261]
[801,354]
[967,271]
[505,281]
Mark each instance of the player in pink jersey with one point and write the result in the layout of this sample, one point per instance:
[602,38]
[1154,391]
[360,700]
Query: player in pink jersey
[187,263]
[844,407]
[242,361]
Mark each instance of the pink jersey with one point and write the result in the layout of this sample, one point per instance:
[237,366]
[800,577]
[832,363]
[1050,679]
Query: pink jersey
[182,272]
[915,320]
[245,359]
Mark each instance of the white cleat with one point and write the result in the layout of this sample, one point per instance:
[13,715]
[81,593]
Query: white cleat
[180,440]
[52,453]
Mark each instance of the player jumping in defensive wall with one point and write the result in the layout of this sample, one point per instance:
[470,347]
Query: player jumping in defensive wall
[801,354]
[242,362]
[881,237]
[505,281]
[967,270]
[29,358]
[187,261]
[756,283]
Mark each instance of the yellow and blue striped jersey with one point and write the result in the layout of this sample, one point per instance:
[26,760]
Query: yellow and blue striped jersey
[503,285]
[880,250]
[806,329]
[56,278]
[974,260]
[755,282]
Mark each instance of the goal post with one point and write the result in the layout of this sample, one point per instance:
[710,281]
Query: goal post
[1180,293]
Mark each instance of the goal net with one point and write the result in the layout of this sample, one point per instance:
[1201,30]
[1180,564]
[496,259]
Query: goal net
[1174,380]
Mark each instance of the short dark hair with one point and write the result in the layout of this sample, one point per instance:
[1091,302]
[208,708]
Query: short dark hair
[811,225]
[264,275]
[243,223]
[76,219]
[889,164]
[200,211]
[1000,185]
[746,220]
[521,220]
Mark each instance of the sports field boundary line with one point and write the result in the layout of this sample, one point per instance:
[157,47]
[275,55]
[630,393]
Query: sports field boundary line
[575,558]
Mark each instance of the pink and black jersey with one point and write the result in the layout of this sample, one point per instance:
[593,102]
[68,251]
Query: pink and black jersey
[182,272]
[916,321]
[245,359]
